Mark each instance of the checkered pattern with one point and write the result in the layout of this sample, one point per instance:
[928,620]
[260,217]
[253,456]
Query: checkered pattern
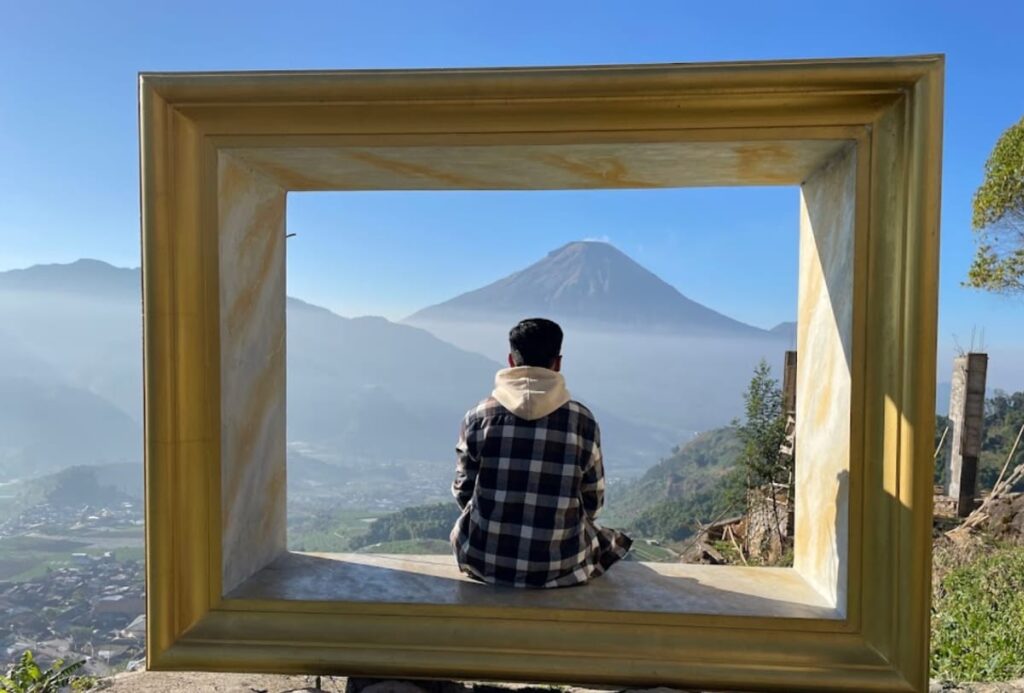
[530,492]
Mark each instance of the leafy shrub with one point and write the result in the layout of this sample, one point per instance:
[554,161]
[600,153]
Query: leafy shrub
[25,676]
[978,620]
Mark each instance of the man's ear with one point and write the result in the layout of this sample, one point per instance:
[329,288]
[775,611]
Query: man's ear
[557,365]
[511,361]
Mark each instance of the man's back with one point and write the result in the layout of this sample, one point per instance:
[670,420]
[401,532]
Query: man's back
[530,482]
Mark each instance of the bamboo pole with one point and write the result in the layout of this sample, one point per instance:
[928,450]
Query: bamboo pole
[942,440]
[1013,451]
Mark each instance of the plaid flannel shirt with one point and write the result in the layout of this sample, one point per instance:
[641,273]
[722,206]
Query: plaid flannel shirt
[530,492]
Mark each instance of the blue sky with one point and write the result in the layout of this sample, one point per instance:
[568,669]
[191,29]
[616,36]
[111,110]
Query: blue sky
[402,251]
[68,137]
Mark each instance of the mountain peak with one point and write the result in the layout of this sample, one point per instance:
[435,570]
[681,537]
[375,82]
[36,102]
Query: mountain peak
[586,283]
[585,245]
[88,263]
[590,251]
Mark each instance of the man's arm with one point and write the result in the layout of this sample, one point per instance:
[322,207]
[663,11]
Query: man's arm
[592,488]
[467,465]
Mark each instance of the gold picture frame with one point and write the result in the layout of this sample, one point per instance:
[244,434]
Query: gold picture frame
[220,151]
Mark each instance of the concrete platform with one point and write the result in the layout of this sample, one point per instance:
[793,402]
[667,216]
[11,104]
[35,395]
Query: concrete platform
[628,586]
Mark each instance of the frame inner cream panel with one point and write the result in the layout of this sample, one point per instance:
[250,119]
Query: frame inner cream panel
[828,204]
[252,350]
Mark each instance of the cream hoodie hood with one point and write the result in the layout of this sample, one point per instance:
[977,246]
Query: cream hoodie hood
[530,392]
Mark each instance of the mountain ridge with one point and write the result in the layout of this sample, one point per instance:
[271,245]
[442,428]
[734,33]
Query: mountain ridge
[95,276]
[349,379]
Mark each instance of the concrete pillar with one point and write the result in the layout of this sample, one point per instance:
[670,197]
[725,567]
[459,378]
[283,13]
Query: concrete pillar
[966,418]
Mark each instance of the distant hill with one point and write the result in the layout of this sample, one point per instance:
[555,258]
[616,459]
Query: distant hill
[90,277]
[360,390]
[79,325]
[587,283]
[361,385]
[308,474]
[17,357]
[787,331]
[81,485]
[72,374]
[686,487]
[95,485]
[46,426]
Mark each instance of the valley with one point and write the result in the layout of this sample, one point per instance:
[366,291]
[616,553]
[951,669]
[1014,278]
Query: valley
[373,413]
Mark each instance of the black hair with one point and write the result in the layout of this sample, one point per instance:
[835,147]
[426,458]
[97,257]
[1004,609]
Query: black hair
[535,342]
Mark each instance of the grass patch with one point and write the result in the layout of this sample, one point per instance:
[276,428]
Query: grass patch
[25,557]
[26,566]
[110,532]
[330,531]
[11,567]
[39,544]
[978,620]
[122,553]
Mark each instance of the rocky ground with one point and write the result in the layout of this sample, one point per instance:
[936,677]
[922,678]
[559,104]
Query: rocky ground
[196,682]
[200,682]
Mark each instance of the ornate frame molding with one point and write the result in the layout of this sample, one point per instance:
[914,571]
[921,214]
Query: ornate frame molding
[219,153]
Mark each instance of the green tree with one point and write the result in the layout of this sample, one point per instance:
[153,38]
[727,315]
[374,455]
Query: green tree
[764,431]
[1004,416]
[768,469]
[998,218]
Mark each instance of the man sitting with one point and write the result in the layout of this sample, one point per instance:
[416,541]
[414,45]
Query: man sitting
[529,478]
